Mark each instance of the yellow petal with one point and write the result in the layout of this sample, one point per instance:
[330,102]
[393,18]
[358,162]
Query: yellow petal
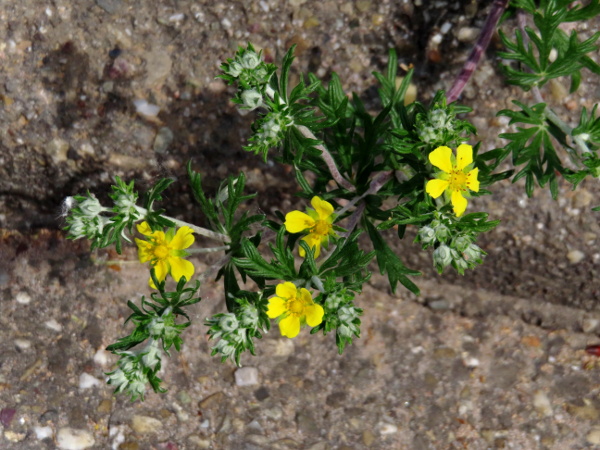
[323,208]
[297,221]
[276,307]
[290,326]
[436,187]
[440,158]
[459,203]
[314,314]
[160,271]
[314,242]
[304,296]
[183,239]
[464,156]
[144,250]
[286,290]
[472,181]
[144,228]
[181,268]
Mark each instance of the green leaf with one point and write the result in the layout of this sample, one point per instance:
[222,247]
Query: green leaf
[389,263]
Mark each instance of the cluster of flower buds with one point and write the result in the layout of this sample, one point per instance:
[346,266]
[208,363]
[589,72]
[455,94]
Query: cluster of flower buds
[84,217]
[452,247]
[134,369]
[235,331]
[434,127]
[343,316]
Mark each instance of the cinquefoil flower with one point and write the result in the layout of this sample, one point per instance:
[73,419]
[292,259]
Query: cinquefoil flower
[165,252]
[294,307]
[317,222]
[457,176]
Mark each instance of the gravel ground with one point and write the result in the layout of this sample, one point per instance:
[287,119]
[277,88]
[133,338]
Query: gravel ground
[494,359]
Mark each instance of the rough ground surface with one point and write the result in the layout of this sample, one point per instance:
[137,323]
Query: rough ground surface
[491,360]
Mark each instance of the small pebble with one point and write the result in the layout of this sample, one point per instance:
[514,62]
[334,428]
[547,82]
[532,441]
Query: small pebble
[467,34]
[163,139]
[246,376]
[145,424]
[74,439]
[53,325]
[575,256]
[42,432]
[101,357]
[86,381]
[593,436]
[23,298]
[589,324]
[22,344]
[542,404]
[387,428]
[144,108]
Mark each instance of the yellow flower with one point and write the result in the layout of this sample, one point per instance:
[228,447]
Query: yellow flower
[318,222]
[457,176]
[166,251]
[295,307]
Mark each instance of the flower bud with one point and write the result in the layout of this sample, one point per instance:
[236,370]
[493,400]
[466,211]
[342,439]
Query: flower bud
[235,68]
[252,99]
[442,257]
[442,232]
[228,323]
[427,235]
[250,60]
[249,316]
[461,243]
[473,253]
[90,207]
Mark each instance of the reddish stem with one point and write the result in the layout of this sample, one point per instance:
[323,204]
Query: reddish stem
[483,41]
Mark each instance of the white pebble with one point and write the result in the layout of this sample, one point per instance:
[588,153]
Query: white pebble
[177,17]
[246,376]
[53,325]
[471,362]
[23,298]
[226,23]
[42,432]
[74,439]
[387,428]
[86,381]
[101,357]
[146,109]
[22,344]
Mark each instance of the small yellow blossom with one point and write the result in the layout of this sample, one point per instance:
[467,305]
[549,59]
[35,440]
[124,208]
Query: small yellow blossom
[318,222]
[457,176]
[294,307]
[165,252]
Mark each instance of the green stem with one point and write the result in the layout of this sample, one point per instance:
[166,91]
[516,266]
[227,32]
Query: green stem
[207,250]
[198,230]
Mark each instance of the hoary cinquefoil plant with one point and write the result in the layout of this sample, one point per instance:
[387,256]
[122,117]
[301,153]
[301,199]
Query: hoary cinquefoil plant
[408,165]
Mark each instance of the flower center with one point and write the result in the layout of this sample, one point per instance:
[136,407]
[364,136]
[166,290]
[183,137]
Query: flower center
[295,306]
[161,251]
[458,180]
[321,228]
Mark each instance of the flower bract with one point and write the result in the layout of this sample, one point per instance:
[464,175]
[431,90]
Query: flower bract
[294,307]
[318,222]
[165,252]
[457,176]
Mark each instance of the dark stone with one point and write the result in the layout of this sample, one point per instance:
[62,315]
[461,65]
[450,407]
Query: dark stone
[261,393]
